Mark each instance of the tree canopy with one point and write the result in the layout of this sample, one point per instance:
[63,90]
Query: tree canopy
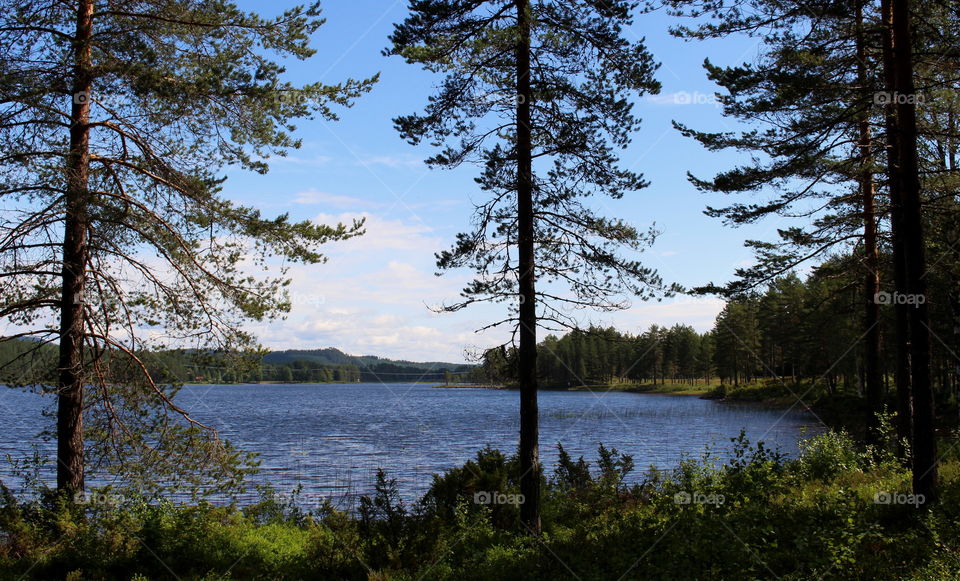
[116,121]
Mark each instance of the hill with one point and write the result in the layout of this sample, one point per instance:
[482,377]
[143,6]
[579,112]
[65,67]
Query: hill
[20,359]
[367,367]
[333,356]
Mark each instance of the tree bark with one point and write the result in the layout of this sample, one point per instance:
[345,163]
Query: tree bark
[529,415]
[924,436]
[902,375]
[954,299]
[871,282]
[70,449]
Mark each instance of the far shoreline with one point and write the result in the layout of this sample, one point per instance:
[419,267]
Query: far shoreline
[672,389]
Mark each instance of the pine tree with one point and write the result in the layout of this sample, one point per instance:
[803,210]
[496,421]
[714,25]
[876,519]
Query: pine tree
[116,121]
[834,72]
[814,90]
[899,65]
[538,93]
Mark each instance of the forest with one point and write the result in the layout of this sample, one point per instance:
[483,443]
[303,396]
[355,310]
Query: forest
[129,267]
[19,358]
[795,331]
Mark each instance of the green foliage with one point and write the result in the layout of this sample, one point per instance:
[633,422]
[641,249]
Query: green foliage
[570,475]
[606,356]
[614,467]
[756,516]
[752,471]
[826,455]
[27,363]
[586,75]
[120,127]
[21,359]
[490,473]
[345,367]
[384,522]
[792,340]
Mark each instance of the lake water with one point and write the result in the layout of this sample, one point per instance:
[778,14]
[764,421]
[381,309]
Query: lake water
[332,438]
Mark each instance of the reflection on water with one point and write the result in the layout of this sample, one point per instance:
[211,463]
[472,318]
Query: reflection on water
[332,438]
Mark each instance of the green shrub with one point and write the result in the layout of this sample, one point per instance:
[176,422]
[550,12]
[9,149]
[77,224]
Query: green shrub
[809,518]
[826,455]
[490,473]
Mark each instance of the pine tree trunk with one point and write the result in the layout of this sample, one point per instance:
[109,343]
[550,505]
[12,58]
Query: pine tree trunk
[954,300]
[871,283]
[901,374]
[529,415]
[924,436]
[70,461]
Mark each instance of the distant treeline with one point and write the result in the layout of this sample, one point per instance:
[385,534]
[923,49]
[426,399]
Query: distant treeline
[598,356]
[796,330]
[330,365]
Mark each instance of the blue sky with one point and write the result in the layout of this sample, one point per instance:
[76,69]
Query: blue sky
[372,297]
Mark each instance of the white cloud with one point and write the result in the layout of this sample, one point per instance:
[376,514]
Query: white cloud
[314,197]
[374,294]
[414,337]
[391,161]
[381,340]
[387,320]
[698,312]
[383,233]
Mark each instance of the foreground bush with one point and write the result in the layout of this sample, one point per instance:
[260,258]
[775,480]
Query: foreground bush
[834,513]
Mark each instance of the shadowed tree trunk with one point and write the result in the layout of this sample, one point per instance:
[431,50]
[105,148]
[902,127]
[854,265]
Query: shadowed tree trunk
[904,93]
[902,323]
[70,461]
[529,416]
[871,283]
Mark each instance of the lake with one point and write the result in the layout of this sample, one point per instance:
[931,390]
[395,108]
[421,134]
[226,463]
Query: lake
[332,438]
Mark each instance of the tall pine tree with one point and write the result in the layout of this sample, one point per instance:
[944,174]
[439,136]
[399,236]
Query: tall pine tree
[538,92]
[115,121]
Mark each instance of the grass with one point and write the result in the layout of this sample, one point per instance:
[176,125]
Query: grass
[669,387]
[675,388]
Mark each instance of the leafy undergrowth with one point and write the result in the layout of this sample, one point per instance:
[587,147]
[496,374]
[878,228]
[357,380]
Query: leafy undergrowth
[836,512]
